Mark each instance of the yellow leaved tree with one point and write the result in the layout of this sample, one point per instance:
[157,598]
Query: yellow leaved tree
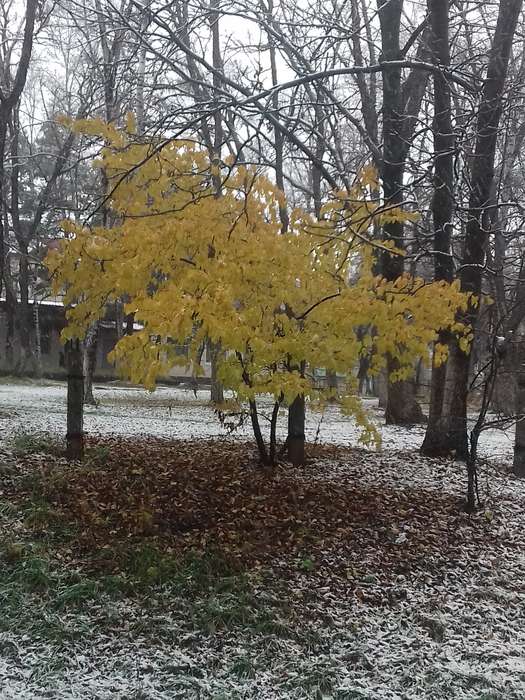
[193,266]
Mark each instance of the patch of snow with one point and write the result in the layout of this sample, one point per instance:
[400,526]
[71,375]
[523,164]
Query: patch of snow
[174,412]
[457,631]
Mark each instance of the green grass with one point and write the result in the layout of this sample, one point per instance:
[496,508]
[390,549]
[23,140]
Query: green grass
[29,590]
[243,667]
[96,456]
[191,574]
[7,509]
[56,593]
[215,593]
[318,680]
[25,443]
[40,515]
[202,590]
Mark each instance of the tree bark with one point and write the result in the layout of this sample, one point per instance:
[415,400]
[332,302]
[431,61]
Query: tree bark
[295,440]
[381,387]
[75,401]
[8,102]
[519,442]
[89,362]
[273,430]
[442,209]
[3,232]
[216,388]
[402,407]
[296,436]
[259,440]
[478,223]
[26,358]
[26,362]
[332,381]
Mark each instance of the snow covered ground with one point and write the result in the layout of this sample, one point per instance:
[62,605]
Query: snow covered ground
[179,413]
[455,630]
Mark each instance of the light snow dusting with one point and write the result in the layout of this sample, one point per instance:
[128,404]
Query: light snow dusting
[172,412]
[455,632]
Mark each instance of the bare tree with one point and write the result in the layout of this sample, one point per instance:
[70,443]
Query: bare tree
[454,412]
[11,88]
[442,200]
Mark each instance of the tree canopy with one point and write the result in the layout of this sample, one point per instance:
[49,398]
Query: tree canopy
[192,262]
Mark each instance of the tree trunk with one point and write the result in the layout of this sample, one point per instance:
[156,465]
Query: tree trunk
[90,363]
[471,484]
[442,211]
[38,340]
[26,362]
[8,101]
[519,441]
[454,414]
[129,323]
[3,232]
[11,335]
[296,411]
[216,389]
[332,383]
[75,401]
[505,391]
[381,388]
[296,436]
[6,283]
[273,430]
[259,440]
[402,407]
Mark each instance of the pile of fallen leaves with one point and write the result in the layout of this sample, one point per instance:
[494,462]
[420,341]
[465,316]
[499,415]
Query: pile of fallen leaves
[187,495]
